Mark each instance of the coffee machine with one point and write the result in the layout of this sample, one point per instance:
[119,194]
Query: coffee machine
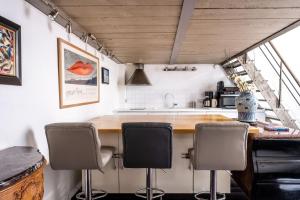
[209,95]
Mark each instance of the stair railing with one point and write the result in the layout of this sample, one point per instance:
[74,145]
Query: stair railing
[282,74]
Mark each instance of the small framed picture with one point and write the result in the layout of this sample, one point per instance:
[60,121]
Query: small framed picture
[10,52]
[105,75]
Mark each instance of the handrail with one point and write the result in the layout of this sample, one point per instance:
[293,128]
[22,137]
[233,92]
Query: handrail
[285,64]
[279,75]
[283,71]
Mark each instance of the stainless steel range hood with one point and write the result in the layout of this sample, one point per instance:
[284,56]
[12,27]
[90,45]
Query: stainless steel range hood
[138,78]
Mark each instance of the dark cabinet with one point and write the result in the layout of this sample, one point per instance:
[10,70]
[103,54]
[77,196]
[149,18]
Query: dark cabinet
[276,164]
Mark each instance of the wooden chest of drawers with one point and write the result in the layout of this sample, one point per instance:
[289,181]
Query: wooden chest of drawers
[25,182]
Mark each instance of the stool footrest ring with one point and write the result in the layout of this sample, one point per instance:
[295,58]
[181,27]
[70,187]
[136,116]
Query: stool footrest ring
[206,196]
[98,193]
[156,191]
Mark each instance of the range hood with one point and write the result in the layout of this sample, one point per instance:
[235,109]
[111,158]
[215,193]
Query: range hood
[138,77]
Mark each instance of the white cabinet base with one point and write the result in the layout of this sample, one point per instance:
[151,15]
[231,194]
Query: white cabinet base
[178,179]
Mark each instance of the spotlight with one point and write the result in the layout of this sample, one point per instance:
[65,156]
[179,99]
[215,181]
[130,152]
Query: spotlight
[100,47]
[109,54]
[53,14]
[69,27]
[85,37]
[92,36]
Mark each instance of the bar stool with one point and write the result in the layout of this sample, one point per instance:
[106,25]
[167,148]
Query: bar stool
[76,146]
[219,146]
[147,145]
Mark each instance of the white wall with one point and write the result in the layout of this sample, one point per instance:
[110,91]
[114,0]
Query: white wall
[185,86]
[26,109]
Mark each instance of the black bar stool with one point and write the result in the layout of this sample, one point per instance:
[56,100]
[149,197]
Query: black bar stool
[147,145]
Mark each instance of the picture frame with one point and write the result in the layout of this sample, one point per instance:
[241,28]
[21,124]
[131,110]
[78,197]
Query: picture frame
[105,75]
[78,73]
[10,53]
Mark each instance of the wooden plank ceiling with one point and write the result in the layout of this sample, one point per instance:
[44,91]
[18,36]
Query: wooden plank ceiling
[144,30]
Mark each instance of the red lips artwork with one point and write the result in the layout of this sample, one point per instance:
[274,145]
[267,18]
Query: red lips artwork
[81,68]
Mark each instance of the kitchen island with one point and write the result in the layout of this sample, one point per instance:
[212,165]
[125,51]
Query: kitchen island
[181,178]
[230,113]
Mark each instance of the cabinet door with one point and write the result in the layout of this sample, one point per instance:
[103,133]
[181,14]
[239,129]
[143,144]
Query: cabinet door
[178,179]
[108,180]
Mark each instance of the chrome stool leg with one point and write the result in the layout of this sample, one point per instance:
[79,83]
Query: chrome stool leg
[149,190]
[149,184]
[88,193]
[213,194]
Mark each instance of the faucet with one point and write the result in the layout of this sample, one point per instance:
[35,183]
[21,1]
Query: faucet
[169,100]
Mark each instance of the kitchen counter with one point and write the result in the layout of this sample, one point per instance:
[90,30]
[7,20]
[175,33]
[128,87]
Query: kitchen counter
[180,123]
[231,113]
[171,109]
[180,178]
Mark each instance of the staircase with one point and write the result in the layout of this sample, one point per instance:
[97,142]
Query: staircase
[268,98]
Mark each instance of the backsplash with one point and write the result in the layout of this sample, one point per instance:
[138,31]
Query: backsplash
[185,86]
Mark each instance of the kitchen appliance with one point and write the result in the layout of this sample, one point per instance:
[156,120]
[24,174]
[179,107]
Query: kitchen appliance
[226,95]
[138,77]
[214,103]
[227,101]
[220,86]
[209,95]
[231,90]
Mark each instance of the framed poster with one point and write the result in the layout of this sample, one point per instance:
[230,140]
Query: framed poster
[78,75]
[105,75]
[10,53]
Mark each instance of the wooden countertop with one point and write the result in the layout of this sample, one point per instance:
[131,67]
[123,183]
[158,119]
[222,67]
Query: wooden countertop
[180,123]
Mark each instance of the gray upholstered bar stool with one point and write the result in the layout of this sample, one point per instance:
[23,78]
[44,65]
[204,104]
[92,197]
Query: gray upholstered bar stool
[219,146]
[147,145]
[76,146]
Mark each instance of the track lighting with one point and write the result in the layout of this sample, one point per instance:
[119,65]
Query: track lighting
[85,37]
[92,36]
[109,54]
[53,14]
[69,27]
[100,47]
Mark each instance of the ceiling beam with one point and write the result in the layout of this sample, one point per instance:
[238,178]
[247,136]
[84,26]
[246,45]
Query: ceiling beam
[267,39]
[186,13]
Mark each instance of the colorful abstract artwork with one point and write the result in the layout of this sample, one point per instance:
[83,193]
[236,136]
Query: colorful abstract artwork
[78,75]
[10,69]
[7,51]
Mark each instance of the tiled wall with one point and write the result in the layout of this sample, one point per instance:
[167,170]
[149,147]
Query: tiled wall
[185,86]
